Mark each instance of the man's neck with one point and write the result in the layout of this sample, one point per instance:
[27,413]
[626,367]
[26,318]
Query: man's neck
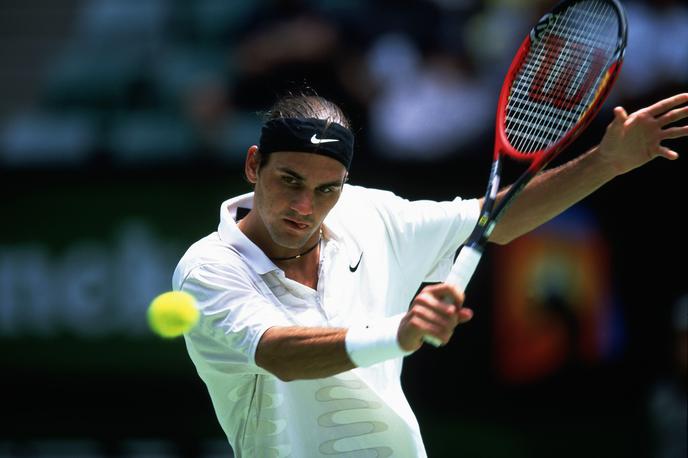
[303,270]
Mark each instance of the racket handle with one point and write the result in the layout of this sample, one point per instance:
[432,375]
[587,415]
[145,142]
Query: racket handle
[464,267]
[460,275]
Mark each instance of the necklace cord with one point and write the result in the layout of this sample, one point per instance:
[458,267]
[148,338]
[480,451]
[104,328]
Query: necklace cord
[289,258]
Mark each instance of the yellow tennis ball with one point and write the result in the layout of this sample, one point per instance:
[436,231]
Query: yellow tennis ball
[173,313]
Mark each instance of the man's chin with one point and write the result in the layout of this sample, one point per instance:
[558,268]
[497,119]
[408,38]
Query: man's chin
[292,242]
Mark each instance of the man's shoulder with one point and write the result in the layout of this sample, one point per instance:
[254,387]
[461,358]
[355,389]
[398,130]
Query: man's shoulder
[211,245]
[361,192]
[362,212]
[210,250]
[360,197]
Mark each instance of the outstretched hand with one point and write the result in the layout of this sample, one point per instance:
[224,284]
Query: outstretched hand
[635,139]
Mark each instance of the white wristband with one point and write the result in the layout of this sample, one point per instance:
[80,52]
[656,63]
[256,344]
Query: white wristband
[372,343]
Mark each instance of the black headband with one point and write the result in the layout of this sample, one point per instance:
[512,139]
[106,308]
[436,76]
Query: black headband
[308,135]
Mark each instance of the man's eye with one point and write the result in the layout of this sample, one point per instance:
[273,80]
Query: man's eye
[329,189]
[288,179]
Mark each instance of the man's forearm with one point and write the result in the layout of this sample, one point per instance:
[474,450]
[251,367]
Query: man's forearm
[550,193]
[292,353]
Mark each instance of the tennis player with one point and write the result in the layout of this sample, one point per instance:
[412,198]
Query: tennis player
[304,289]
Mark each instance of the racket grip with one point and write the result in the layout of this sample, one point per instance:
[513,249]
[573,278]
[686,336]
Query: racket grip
[460,275]
[464,267]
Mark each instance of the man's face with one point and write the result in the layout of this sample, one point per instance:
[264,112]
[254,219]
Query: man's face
[293,194]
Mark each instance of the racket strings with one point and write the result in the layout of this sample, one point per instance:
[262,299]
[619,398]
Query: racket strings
[560,76]
[542,126]
[581,57]
[539,128]
[558,57]
[558,64]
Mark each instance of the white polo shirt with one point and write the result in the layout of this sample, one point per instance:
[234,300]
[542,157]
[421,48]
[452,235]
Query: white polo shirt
[377,250]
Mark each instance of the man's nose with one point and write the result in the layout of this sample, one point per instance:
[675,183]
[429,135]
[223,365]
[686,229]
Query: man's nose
[303,203]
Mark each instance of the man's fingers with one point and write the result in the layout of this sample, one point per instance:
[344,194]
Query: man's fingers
[465,315]
[667,104]
[620,113]
[667,153]
[432,324]
[435,311]
[437,333]
[449,293]
[673,116]
[675,132]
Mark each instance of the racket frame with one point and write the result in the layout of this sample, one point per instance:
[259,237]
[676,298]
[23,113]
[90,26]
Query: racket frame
[492,209]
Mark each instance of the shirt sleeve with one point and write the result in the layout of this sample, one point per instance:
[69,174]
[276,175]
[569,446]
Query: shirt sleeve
[234,315]
[425,234]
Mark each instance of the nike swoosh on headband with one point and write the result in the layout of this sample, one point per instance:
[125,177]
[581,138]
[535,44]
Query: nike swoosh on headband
[315,140]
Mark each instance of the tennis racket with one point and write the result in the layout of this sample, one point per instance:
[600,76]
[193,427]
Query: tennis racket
[556,84]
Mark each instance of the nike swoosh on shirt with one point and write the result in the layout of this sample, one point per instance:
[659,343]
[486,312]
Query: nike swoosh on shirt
[315,140]
[354,268]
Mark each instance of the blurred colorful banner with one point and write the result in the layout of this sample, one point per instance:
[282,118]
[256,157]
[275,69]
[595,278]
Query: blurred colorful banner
[554,300]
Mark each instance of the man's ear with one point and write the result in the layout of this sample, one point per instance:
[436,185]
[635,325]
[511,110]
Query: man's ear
[252,164]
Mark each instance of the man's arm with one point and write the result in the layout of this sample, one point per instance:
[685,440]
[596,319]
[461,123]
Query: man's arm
[550,193]
[629,142]
[294,353]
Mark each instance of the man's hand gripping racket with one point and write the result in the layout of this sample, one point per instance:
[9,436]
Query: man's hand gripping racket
[556,84]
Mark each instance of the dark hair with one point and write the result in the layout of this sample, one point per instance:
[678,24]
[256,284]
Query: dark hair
[304,106]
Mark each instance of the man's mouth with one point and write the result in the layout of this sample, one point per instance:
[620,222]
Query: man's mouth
[296,224]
